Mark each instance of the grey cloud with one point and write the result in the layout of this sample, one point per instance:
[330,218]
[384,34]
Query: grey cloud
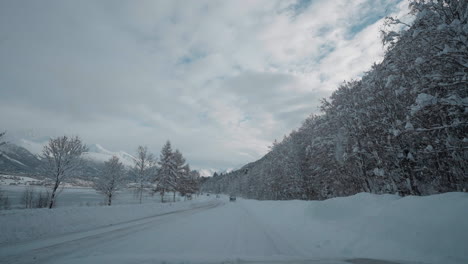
[219,79]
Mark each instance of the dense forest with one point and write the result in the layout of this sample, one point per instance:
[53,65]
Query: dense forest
[402,128]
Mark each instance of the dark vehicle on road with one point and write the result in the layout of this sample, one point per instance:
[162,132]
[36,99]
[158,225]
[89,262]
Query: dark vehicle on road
[232,198]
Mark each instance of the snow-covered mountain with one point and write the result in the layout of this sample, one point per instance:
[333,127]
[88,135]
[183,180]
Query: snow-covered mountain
[35,147]
[24,157]
[14,158]
[95,152]
[98,153]
[210,171]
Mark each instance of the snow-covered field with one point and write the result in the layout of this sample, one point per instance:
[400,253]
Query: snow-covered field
[17,180]
[79,196]
[363,228]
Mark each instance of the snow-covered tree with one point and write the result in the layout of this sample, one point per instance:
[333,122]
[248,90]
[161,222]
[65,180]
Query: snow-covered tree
[144,168]
[4,201]
[194,182]
[27,199]
[1,141]
[183,180]
[63,156]
[168,171]
[1,136]
[112,179]
[188,182]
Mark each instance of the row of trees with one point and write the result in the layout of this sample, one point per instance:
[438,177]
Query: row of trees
[63,160]
[401,129]
[171,173]
[33,199]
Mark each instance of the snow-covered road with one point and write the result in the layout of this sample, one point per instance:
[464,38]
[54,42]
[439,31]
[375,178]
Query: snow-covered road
[214,232]
[89,246]
[218,231]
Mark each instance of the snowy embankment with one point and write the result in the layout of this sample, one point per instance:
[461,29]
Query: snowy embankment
[432,229]
[28,224]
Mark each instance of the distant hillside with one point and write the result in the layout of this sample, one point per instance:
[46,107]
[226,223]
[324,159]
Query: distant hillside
[17,159]
[96,152]
[401,129]
[99,154]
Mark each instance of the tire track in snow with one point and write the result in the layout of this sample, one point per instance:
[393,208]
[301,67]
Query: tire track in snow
[52,252]
[285,248]
[259,227]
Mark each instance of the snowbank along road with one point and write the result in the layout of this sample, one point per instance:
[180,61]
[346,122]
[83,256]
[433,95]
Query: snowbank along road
[215,231]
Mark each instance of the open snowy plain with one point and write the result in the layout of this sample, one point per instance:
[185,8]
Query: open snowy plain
[79,196]
[361,229]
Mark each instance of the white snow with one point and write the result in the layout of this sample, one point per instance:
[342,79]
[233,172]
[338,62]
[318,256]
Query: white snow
[33,147]
[395,132]
[431,229]
[390,80]
[73,196]
[17,180]
[208,172]
[409,126]
[98,153]
[419,60]
[13,160]
[24,225]
[379,172]
[423,100]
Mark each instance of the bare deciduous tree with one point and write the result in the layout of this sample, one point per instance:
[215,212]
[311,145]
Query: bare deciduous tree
[4,201]
[112,178]
[63,156]
[144,166]
[42,200]
[27,199]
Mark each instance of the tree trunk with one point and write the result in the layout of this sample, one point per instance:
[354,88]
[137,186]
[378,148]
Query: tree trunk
[110,200]
[174,197]
[52,197]
[141,192]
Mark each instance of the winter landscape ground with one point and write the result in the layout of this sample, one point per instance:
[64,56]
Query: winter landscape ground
[79,196]
[364,228]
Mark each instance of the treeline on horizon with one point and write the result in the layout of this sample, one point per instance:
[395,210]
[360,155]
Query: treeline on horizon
[401,129]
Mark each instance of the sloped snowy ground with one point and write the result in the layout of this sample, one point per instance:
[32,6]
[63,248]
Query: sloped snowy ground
[361,229]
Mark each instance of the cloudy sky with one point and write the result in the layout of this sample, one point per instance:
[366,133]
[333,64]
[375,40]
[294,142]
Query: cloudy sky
[220,79]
